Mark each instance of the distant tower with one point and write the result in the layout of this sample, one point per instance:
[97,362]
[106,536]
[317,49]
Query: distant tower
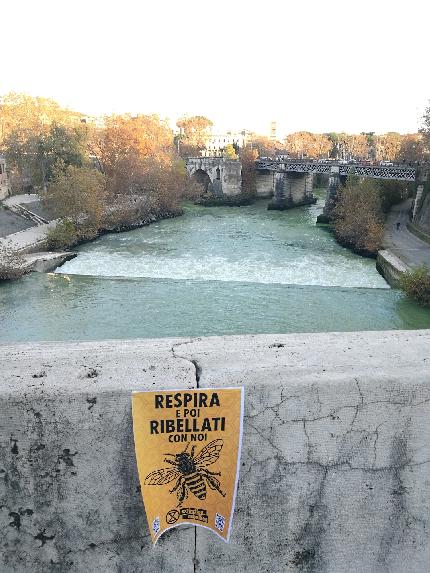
[273,130]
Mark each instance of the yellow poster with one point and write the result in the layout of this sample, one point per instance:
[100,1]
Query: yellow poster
[188,452]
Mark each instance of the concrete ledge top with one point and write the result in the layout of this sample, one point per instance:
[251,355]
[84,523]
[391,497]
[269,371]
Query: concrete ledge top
[229,360]
[70,367]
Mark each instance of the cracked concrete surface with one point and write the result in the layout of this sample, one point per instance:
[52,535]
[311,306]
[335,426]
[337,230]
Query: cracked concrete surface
[336,453]
[335,462]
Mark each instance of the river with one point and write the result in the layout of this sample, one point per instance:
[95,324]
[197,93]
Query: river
[218,270]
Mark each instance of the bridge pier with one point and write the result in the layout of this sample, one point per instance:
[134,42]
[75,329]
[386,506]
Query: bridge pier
[332,191]
[264,183]
[291,189]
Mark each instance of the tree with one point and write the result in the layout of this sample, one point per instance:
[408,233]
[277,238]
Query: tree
[230,152]
[78,194]
[34,133]
[416,284]
[413,148]
[32,156]
[387,146]
[125,142]
[358,217]
[144,174]
[357,146]
[306,144]
[193,134]
[247,158]
[34,114]
[425,130]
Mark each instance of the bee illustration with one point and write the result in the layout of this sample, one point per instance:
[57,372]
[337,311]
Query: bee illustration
[190,472]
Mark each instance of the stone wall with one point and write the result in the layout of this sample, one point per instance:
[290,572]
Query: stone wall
[335,460]
[390,267]
[422,218]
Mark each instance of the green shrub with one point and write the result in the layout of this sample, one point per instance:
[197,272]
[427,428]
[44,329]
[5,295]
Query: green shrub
[63,236]
[416,285]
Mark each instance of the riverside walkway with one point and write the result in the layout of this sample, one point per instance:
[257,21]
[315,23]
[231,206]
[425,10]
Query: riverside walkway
[400,241]
[30,238]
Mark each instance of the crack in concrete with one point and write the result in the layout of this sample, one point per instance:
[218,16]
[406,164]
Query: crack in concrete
[194,362]
[198,373]
[341,465]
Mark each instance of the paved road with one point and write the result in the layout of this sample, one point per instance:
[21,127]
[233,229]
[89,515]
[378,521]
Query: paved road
[30,238]
[18,233]
[21,199]
[409,248]
[11,223]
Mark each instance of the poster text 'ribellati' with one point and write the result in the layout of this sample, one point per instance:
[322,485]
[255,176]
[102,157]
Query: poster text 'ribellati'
[187,415]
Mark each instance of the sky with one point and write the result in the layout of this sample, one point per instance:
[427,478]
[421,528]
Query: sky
[314,65]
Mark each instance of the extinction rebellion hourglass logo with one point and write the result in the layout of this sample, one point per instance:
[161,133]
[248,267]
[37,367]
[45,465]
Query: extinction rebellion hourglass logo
[194,483]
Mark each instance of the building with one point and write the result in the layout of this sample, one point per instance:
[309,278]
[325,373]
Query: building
[216,144]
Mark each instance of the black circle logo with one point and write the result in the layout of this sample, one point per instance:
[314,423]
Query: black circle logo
[172,516]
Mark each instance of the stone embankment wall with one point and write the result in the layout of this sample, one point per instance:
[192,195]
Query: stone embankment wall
[422,218]
[335,461]
[390,267]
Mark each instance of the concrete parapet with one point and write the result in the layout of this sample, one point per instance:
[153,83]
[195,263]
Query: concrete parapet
[335,460]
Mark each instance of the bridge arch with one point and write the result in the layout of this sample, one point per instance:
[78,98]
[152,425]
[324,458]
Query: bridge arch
[202,178]
[217,175]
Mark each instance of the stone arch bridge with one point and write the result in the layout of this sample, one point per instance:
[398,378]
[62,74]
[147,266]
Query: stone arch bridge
[288,183]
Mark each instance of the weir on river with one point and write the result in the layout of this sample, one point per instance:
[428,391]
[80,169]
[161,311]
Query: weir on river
[213,271]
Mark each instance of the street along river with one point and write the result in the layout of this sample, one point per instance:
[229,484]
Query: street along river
[218,270]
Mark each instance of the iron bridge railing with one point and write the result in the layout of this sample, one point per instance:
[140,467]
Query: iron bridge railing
[399,172]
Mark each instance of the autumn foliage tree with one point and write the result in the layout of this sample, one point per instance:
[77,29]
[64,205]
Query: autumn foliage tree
[34,114]
[248,156]
[32,156]
[193,135]
[78,194]
[358,216]
[387,146]
[306,144]
[413,148]
[34,133]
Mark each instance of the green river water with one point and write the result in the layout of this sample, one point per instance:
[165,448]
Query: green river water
[218,270]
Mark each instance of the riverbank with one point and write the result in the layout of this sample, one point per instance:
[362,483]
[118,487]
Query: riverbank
[29,247]
[401,249]
[409,248]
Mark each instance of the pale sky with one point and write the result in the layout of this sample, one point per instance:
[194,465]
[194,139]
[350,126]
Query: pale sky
[315,65]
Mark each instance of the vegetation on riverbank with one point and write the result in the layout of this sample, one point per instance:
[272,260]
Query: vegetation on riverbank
[416,285]
[360,212]
[94,177]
